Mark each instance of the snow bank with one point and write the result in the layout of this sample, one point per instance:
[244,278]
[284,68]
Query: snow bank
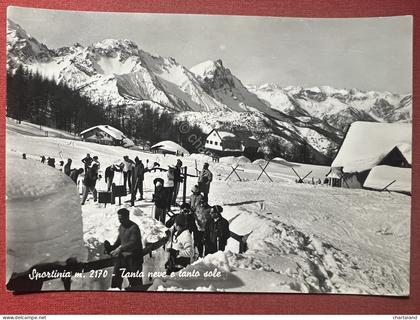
[44,219]
[381,176]
[200,157]
[234,160]
[367,143]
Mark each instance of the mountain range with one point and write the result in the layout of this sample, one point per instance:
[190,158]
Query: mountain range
[118,72]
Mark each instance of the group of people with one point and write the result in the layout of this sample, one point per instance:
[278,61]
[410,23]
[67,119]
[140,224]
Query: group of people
[197,226]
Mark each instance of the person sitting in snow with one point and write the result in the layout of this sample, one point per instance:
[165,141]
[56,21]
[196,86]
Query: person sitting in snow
[160,198]
[89,183]
[202,216]
[195,198]
[217,231]
[181,250]
[128,249]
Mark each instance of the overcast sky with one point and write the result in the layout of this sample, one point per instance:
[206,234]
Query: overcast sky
[369,53]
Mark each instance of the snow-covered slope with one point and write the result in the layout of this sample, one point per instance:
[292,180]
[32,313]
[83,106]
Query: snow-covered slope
[306,238]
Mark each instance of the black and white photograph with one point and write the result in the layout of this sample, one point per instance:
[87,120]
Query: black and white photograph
[209,153]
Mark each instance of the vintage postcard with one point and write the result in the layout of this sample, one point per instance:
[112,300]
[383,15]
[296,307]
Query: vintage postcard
[171,152]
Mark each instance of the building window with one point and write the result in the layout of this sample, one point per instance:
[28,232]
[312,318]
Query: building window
[215,143]
[207,141]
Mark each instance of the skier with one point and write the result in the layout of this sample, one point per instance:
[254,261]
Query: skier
[67,167]
[128,248]
[204,180]
[217,231]
[89,183]
[181,250]
[42,159]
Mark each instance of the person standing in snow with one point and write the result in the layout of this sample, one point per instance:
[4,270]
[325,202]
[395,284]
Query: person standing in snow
[160,198]
[216,232]
[87,161]
[204,180]
[195,198]
[89,183]
[202,216]
[181,250]
[177,180]
[67,167]
[74,174]
[96,161]
[109,175]
[128,249]
[169,185]
[128,166]
[138,177]
[42,159]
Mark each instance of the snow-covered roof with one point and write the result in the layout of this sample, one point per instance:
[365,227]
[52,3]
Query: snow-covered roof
[225,134]
[113,132]
[171,146]
[380,176]
[367,143]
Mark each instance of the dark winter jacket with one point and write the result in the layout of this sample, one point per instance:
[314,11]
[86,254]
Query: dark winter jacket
[190,221]
[109,174]
[90,178]
[67,168]
[177,175]
[87,161]
[161,198]
[138,172]
[74,174]
[129,238]
[216,235]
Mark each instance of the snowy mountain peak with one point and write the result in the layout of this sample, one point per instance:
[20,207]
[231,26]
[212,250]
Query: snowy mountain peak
[23,48]
[110,46]
[207,69]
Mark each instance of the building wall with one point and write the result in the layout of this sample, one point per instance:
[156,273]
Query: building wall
[213,142]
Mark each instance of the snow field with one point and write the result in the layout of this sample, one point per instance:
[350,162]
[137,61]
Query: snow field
[301,237]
